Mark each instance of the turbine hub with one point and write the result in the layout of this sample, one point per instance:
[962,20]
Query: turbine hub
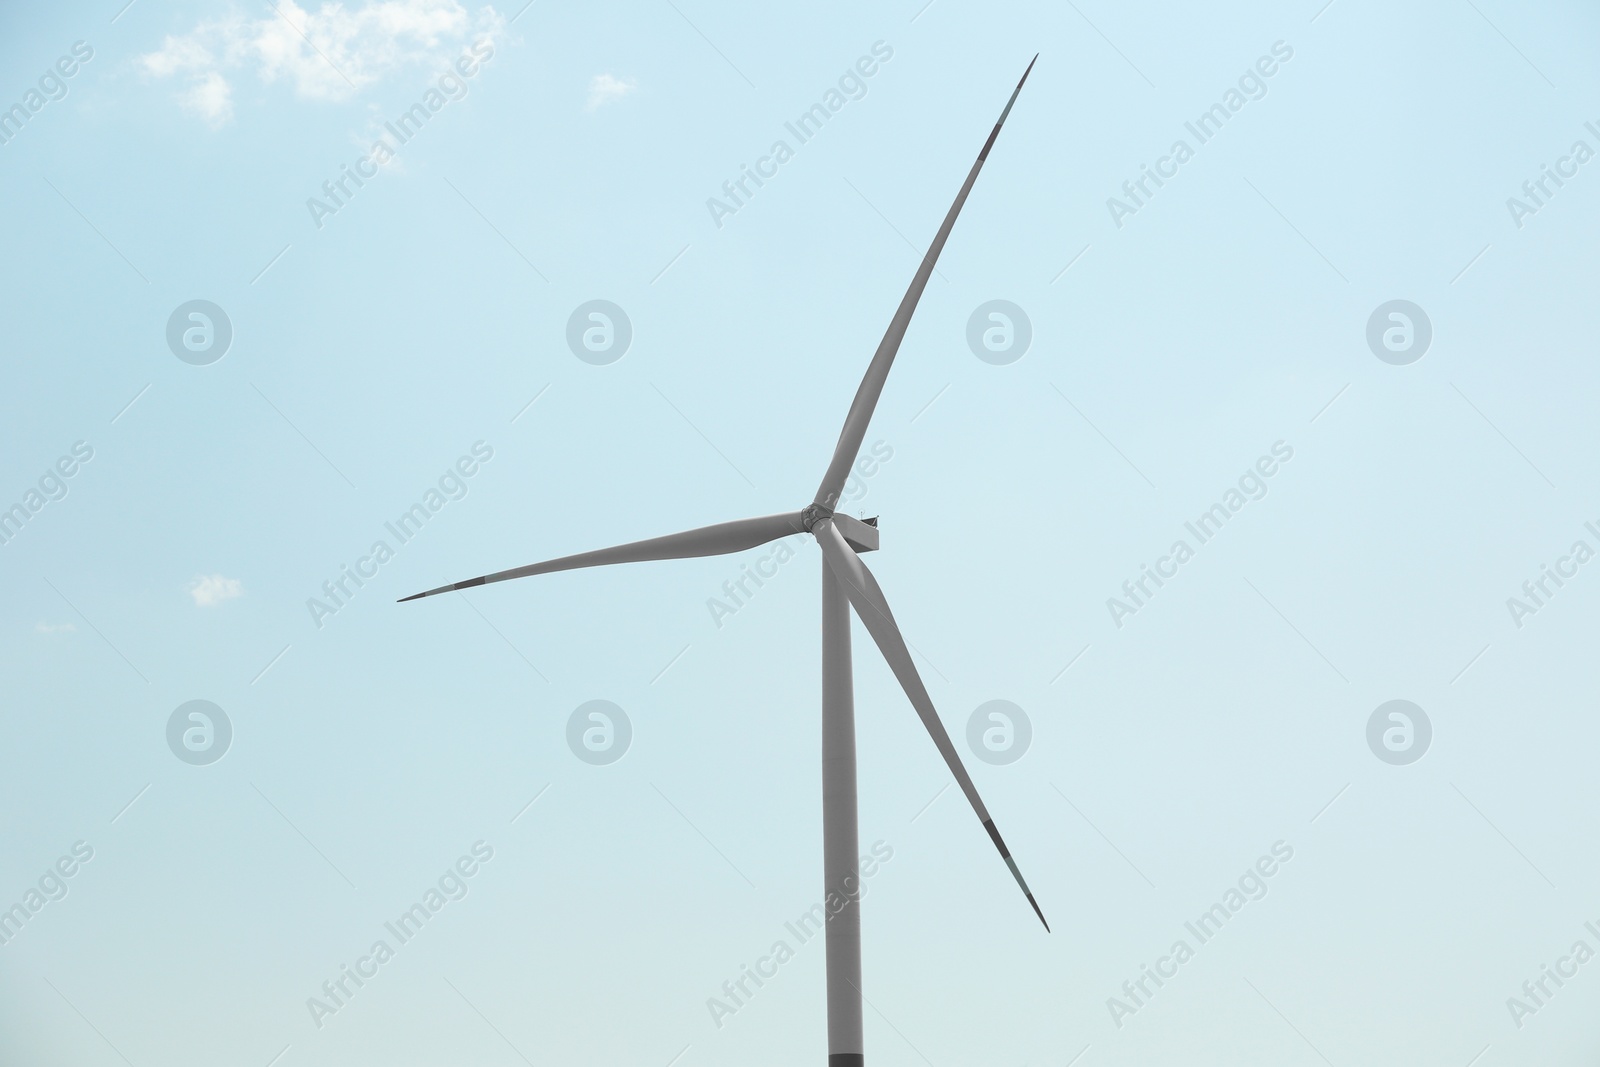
[813,514]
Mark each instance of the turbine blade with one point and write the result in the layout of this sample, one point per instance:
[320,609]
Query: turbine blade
[861,408]
[717,540]
[868,600]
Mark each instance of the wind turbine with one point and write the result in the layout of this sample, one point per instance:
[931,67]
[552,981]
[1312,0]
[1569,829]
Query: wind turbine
[846,583]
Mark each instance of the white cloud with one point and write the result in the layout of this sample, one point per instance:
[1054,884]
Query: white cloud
[328,54]
[212,589]
[211,98]
[54,628]
[605,88]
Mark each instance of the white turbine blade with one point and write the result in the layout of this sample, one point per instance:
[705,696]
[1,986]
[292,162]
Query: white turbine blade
[861,408]
[717,540]
[868,600]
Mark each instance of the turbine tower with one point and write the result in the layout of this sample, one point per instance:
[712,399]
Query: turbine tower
[846,584]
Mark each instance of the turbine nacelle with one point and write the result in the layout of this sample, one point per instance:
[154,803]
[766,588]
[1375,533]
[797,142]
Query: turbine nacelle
[859,534]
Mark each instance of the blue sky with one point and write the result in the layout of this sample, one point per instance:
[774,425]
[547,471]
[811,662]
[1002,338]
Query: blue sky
[424,323]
